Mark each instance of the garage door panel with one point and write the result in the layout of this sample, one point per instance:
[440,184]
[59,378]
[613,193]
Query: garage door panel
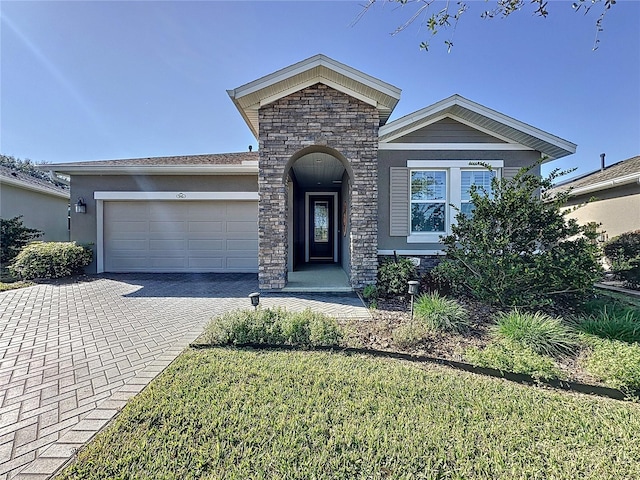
[133,245]
[164,226]
[206,263]
[180,236]
[244,245]
[130,227]
[211,245]
[165,262]
[205,226]
[172,246]
[241,226]
[242,263]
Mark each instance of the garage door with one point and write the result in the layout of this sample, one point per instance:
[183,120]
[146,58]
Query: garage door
[186,236]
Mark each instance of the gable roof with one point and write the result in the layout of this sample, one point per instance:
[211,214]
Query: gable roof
[483,118]
[621,173]
[22,180]
[214,163]
[318,69]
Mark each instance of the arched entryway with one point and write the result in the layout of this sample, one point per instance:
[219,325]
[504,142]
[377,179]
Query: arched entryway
[318,182]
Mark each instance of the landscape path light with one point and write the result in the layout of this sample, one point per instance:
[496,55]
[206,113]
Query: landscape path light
[255,299]
[414,289]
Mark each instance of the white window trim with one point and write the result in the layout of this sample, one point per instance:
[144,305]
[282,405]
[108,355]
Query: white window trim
[454,186]
[430,236]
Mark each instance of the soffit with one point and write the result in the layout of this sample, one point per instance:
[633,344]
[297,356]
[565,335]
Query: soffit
[483,118]
[318,69]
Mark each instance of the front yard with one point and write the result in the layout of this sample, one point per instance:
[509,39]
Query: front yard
[236,414]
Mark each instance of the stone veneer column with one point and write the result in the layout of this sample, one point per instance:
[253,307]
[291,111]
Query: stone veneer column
[318,115]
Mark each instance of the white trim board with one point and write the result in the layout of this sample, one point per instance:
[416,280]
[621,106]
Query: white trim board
[466,164]
[454,146]
[412,252]
[177,196]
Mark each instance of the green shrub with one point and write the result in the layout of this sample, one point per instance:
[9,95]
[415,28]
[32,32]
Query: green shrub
[613,323]
[518,248]
[393,276]
[623,253]
[440,314]
[409,334]
[273,326]
[508,356]
[50,260]
[370,292]
[538,331]
[13,237]
[614,362]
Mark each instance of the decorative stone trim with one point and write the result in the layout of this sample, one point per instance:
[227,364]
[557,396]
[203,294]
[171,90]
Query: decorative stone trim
[317,116]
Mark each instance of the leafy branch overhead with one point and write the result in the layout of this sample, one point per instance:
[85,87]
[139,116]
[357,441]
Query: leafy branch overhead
[433,16]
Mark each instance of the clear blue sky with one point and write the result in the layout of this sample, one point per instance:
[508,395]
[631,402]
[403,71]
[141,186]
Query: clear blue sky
[120,79]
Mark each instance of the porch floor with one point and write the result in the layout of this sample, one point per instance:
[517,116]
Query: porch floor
[318,277]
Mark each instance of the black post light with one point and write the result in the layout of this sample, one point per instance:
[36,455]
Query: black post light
[255,299]
[414,289]
[81,206]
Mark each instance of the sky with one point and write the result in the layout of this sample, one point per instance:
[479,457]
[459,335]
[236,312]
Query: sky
[97,80]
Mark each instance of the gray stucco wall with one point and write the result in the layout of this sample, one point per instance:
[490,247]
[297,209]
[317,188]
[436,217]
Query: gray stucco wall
[47,213]
[84,226]
[390,158]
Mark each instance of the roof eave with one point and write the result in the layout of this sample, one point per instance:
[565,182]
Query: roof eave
[155,169]
[552,146]
[35,188]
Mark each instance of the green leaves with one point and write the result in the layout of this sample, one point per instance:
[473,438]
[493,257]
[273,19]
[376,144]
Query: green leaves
[14,235]
[50,260]
[518,249]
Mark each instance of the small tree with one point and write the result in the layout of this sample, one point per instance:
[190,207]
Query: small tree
[13,237]
[623,253]
[517,248]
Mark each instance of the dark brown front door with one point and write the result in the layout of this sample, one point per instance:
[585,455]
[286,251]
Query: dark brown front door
[321,229]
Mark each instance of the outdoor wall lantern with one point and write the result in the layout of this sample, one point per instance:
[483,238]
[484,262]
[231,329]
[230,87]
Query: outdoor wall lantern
[255,299]
[81,207]
[414,289]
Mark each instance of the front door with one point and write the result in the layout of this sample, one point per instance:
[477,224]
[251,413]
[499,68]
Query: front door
[322,228]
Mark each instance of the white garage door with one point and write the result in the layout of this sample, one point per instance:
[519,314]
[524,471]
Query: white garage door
[185,236]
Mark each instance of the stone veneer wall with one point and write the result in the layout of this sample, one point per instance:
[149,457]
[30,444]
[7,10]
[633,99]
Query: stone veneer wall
[322,116]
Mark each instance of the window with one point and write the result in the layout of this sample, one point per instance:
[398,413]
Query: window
[423,194]
[428,201]
[480,178]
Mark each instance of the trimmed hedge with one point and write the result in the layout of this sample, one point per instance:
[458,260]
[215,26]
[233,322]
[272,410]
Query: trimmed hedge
[50,260]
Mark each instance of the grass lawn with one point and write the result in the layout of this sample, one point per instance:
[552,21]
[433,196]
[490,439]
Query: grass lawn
[4,286]
[238,414]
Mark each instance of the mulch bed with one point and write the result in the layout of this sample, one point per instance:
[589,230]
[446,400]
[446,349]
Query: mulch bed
[377,334]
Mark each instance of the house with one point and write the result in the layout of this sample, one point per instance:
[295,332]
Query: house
[333,181]
[609,196]
[43,205]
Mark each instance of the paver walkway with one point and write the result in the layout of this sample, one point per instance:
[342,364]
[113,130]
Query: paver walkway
[72,354]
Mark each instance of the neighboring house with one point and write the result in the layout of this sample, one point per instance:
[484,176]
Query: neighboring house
[609,196]
[42,204]
[333,181]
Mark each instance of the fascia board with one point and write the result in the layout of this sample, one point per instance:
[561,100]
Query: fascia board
[313,62]
[456,100]
[517,124]
[158,170]
[34,188]
[616,182]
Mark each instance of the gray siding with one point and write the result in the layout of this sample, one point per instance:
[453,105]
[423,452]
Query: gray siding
[390,236]
[84,226]
[46,213]
[447,130]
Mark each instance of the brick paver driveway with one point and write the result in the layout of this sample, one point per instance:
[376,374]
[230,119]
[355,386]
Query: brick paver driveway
[72,354]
